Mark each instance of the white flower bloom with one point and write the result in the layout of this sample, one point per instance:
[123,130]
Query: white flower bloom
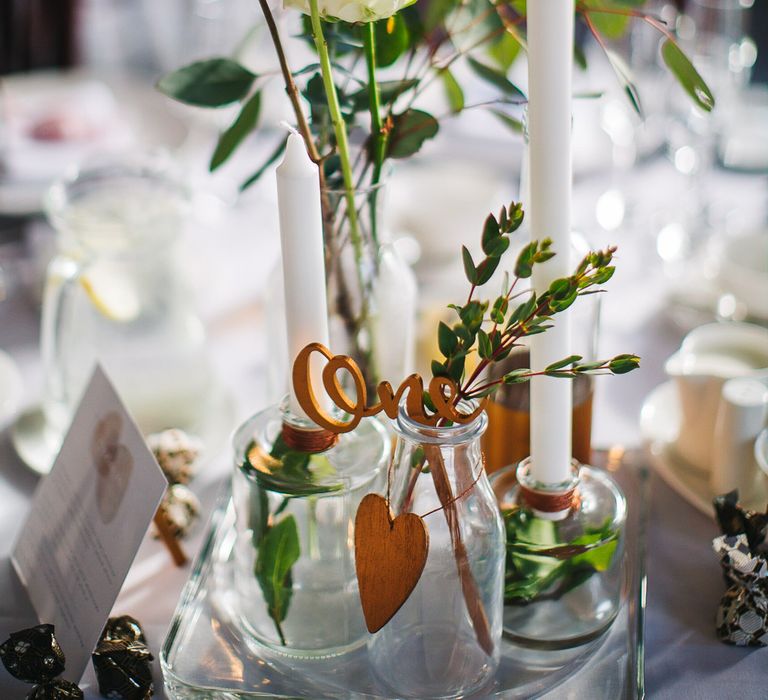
[353,10]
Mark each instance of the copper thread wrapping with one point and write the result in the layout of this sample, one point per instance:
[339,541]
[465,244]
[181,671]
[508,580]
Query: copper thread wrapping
[548,501]
[312,441]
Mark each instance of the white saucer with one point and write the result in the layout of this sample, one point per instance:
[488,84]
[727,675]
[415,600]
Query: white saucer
[38,451]
[659,426]
[11,389]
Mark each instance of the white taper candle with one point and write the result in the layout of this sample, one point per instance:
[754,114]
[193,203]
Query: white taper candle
[550,66]
[301,239]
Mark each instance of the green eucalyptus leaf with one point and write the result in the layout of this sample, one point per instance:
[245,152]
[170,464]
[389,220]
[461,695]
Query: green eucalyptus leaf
[469,265]
[491,233]
[447,340]
[579,57]
[687,75]
[505,50]
[525,259]
[621,364]
[240,128]
[214,82]
[439,369]
[559,374]
[486,268]
[272,158]
[278,551]
[517,376]
[589,366]
[608,24]
[453,91]
[484,348]
[558,305]
[514,125]
[496,78]
[409,132]
[624,75]
[392,39]
[488,391]
[523,311]
[456,367]
[564,362]
[603,275]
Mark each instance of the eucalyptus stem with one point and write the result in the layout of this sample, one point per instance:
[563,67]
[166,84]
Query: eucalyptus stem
[342,144]
[378,133]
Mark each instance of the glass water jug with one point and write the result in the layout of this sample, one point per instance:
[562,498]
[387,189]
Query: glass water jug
[115,295]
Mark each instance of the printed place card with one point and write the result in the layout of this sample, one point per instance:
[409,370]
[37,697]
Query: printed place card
[87,521]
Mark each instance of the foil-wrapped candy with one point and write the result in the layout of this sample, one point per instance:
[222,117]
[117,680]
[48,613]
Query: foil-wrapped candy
[742,616]
[57,689]
[33,655]
[181,508]
[735,520]
[123,669]
[176,452]
[124,628]
[122,661]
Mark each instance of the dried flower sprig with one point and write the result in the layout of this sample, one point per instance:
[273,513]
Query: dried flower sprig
[494,329]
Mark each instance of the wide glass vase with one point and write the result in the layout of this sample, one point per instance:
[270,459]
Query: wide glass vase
[296,588]
[564,571]
[444,642]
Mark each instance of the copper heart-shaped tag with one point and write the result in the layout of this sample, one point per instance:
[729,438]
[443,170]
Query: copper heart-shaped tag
[390,555]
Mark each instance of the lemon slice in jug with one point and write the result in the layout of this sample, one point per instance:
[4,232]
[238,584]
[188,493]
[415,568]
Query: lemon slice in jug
[112,293]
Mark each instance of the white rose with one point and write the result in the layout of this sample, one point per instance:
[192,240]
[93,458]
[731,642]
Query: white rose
[352,10]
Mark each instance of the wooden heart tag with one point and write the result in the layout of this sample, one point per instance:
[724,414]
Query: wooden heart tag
[389,558]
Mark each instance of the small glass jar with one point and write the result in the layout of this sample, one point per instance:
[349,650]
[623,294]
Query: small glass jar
[445,640]
[564,570]
[295,581]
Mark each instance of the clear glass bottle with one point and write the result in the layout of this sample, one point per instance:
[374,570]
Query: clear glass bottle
[445,640]
[564,572]
[295,581]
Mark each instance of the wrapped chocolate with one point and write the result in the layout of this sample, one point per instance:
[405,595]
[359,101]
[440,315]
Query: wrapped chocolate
[742,616]
[33,655]
[123,670]
[735,520]
[125,628]
[181,508]
[58,689]
[176,453]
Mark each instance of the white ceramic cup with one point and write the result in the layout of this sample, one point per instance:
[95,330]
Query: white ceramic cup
[708,357]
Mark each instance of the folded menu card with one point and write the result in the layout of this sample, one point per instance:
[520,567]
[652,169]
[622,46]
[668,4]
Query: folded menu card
[87,520]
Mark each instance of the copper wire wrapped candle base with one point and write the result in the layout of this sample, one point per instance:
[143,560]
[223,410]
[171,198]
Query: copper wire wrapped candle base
[550,501]
[311,441]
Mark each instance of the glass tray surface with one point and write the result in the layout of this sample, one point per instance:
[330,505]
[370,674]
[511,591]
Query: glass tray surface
[207,655]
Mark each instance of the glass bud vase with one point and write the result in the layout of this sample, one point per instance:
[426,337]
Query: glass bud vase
[372,296]
[296,588]
[444,642]
[564,571]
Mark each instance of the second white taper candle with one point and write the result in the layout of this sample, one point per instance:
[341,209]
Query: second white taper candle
[550,65]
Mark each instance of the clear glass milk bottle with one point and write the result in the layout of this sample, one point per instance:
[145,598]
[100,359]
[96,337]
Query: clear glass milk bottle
[295,584]
[115,295]
[445,640]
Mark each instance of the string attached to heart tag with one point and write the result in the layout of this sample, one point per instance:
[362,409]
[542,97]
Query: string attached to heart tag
[391,552]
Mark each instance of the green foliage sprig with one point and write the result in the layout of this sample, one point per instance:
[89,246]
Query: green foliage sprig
[493,328]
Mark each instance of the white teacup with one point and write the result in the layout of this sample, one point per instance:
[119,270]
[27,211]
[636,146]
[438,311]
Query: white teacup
[709,356]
